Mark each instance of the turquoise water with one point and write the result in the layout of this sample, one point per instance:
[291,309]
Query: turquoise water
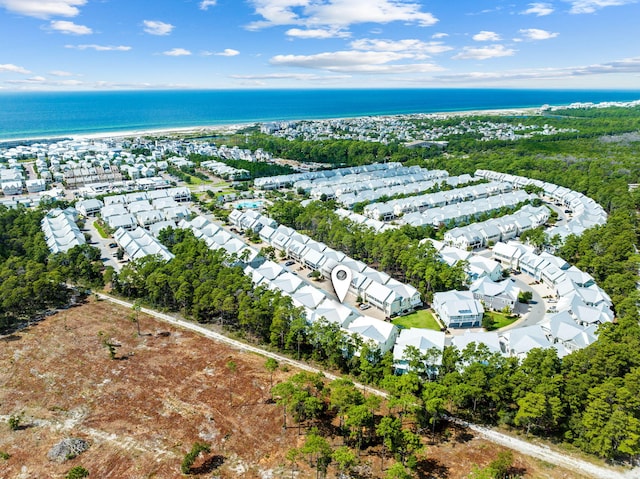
[243,205]
[40,114]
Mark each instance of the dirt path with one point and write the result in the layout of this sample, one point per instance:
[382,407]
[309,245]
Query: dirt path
[540,452]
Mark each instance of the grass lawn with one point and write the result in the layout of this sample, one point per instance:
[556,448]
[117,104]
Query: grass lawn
[419,319]
[500,320]
[101,229]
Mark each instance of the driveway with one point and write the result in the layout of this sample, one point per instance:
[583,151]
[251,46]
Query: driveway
[533,312]
[106,253]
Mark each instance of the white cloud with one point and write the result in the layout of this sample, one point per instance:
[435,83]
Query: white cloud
[538,9]
[537,34]
[291,76]
[100,48]
[11,68]
[484,53]
[36,79]
[408,45]
[627,65]
[435,36]
[177,52]
[60,73]
[155,27]
[69,28]
[205,4]
[355,62]
[337,13]
[44,8]
[485,36]
[228,52]
[590,6]
[316,33]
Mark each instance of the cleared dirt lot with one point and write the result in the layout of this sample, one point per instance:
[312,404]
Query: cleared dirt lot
[142,411]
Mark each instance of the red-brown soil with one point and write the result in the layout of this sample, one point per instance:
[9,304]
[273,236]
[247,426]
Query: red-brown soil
[165,390]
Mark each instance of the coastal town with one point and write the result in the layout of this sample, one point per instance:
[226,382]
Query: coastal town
[449,269]
[124,185]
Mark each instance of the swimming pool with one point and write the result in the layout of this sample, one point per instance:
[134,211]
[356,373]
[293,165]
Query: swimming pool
[245,205]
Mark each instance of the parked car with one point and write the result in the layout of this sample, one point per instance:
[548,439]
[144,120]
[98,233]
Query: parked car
[289,263]
[113,245]
[364,306]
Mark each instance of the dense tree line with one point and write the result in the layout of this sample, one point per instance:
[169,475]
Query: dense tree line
[31,279]
[257,169]
[336,152]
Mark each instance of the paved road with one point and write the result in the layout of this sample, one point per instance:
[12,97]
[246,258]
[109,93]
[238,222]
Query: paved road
[106,253]
[523,447]
[533,312]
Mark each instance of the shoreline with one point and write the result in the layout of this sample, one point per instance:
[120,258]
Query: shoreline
[231,127]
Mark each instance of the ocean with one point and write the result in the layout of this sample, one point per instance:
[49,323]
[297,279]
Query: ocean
[46,114]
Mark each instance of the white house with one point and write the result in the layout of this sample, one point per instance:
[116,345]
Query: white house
[495,295]
[89,207]
[425,340]
[519,341]
[375,331]
[489,339]
[458,309]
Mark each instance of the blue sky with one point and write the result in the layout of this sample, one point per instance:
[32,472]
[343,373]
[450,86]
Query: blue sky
[141,44]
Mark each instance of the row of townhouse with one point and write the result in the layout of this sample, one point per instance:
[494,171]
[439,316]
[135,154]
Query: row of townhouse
[477,266]
[355,184]
[375,287]
[581,305]
[61,231]
[138,243]
[576,291]
[218,238]
[159,208]
[314,302]
[479,235]
[422,203]
[11,180]
[466,212]
[225,171]
[348,200]
[586,213]
[122,187]
[560,334]
[286,181]
[376,225]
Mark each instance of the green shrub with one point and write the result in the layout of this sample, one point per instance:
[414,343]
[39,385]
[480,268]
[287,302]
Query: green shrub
[77,472]
[192,455]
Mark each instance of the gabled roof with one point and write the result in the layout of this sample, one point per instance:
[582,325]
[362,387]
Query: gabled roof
[270,270]
[380,293]
[309,296]
[489,339]
[373,329]
[523,340]
[287,282]
[334,312]
[423,339]
[485,286]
